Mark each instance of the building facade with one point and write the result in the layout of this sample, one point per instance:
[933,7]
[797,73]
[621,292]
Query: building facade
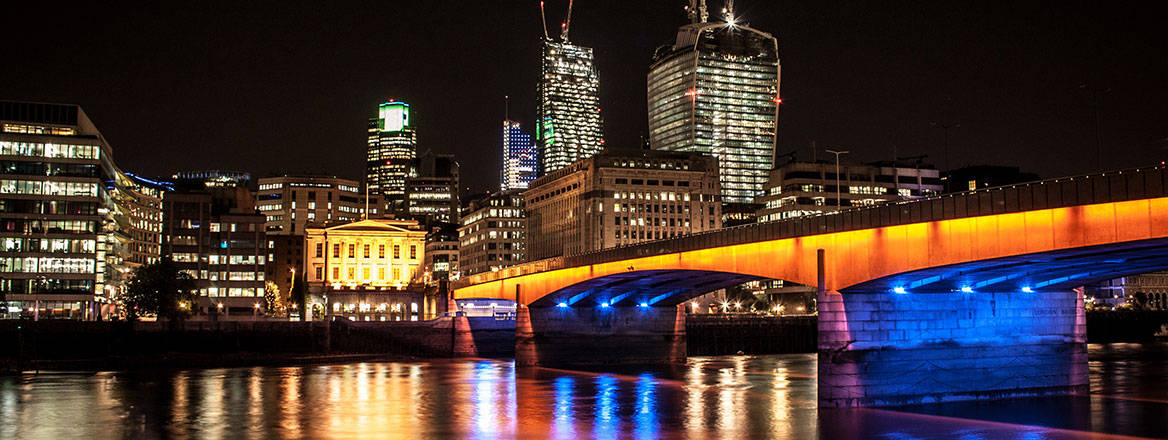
[431,193]
[441,261]
[363,270]
[568,123]
[493,233]
[621,197]
[520,161]
[216,236]
[392,147]
[804,188]
[72,225]
[289,203]
[716,91]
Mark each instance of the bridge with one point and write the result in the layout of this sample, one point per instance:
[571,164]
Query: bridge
[964,296]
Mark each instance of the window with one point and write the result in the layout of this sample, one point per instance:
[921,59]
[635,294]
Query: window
[319,272]
[366,254]
[352,250]
[397,251]
[336,273]
[381,251]
[319,251]
[414,252]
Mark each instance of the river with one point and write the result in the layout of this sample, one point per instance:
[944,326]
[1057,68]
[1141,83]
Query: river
[709,397]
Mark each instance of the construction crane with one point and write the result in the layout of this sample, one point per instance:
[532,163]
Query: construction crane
[567,23]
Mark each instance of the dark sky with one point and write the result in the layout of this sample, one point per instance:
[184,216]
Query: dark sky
[275,87]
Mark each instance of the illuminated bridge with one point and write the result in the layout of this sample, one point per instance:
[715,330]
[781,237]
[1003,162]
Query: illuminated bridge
[964,296]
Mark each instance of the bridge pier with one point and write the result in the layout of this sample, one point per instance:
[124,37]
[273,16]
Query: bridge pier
[595,336]
[886,348]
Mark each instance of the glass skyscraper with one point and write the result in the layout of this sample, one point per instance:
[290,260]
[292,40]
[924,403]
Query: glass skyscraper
[568,123]
[716,91]
[520,163]
[393,145]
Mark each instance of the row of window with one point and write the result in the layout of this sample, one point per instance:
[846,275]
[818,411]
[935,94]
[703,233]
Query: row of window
[54,245]
[397,251]
[48,188]
[46,265]
[37,149]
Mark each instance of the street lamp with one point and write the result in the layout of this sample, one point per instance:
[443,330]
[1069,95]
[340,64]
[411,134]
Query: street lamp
[837,154]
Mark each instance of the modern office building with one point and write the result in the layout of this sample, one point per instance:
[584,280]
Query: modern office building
[520,161]
[72,225]
[392,147]
[493,233]
[432,189]
[803,188]
[291,202]
[441,261]
[362,270]
[568,123]
[215,235]
[621,197]
[715,90]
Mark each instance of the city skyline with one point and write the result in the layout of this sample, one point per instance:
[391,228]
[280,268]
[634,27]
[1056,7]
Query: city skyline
[1009,75]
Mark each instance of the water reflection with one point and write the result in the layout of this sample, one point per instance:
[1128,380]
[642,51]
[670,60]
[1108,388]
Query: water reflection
[744,397]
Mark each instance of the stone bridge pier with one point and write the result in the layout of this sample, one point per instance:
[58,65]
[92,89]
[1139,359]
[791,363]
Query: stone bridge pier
[887,348]
[596,335]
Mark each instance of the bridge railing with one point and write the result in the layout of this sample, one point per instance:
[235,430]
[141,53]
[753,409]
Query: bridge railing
[1112,186]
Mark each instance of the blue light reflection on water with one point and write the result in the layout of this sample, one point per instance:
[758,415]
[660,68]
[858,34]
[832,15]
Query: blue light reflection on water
[565,391]
[607,421]
[646,413]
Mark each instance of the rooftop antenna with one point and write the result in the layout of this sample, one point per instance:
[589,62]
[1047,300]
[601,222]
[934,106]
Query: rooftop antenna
[567,23]
[543,17]
[506,107]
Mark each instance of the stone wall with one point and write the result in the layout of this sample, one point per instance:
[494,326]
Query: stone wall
[884,348]
[597,336]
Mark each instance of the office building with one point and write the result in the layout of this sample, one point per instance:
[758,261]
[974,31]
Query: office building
[432,189]
[520,161]
[215,235]
[804,188]
[441,261]
[291,202]
[568,123]
[362,270]
[621,197]
[715,90]
[493,233]
[392,146]
[73,226]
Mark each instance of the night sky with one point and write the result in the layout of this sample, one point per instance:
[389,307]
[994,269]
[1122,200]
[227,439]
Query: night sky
[287,87]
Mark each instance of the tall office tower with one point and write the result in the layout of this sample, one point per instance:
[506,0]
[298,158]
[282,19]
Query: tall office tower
[716,91]
[519,158]
[72,225]
[568,123]
[393,145]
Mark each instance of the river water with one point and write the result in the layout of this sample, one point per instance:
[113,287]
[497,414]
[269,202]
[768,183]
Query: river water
[709,397]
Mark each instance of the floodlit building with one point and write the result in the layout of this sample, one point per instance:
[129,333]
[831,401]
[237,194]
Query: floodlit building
[493,233]
[715,90]
[392,147]
[621,197]
[72,225]
[568,123]
[804,188]
[362,270]
[520,161]
[289,203]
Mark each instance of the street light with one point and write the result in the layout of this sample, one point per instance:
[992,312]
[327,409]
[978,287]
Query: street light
[837,154]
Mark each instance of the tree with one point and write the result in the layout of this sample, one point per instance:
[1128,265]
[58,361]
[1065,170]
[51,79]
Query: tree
[160,289]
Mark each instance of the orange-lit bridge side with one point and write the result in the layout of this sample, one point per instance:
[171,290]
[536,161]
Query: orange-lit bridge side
[853,257]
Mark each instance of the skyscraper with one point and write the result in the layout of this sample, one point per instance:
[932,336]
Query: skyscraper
[393,144]
[519,159]
[716,91]
[568,123]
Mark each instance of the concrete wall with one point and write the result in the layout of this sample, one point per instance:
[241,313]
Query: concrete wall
[883,348]
[595,336]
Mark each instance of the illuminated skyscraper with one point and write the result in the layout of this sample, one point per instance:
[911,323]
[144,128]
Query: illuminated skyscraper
[519,158]
[716,91]
[568,123]
[393,145]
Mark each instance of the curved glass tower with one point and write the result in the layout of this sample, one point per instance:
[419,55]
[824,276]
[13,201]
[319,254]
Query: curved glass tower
[716,91]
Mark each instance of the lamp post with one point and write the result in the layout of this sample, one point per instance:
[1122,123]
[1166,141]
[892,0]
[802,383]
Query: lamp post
[837,154]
